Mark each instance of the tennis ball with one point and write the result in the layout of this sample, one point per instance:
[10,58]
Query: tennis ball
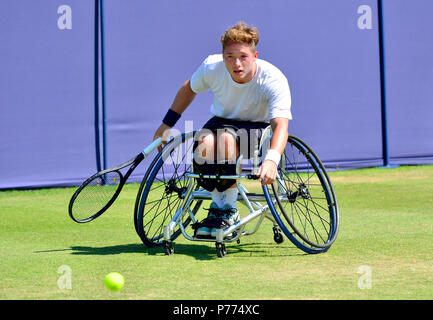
[114,281]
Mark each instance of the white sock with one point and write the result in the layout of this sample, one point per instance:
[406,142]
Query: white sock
[217,197]
[230,196]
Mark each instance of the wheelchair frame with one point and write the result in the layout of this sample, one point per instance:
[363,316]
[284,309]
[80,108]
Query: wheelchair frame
[256,210]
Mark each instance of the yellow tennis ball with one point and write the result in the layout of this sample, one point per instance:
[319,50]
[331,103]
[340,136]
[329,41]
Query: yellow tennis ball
[114,281]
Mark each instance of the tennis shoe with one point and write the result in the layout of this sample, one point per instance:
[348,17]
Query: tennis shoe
[228,217]
[205,232]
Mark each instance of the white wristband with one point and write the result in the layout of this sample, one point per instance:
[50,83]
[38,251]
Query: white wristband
[273,155]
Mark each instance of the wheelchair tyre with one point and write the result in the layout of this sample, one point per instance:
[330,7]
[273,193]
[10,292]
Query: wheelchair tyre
[278,236]
[303,200]
[160,193]
[221,250]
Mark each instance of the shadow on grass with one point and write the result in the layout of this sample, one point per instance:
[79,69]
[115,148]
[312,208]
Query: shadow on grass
[197,251]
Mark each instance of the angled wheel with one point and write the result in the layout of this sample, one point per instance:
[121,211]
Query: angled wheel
[302,199]
[221,250]
[168,248]
[162,191]
[278,235]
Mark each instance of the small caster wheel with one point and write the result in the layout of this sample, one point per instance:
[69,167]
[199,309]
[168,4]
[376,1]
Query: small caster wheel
[278,236]
[221,250]
[168,248]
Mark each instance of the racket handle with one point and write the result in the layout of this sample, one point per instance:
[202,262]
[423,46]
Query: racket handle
[149,149]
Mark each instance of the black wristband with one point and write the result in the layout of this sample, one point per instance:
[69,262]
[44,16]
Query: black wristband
[171,118]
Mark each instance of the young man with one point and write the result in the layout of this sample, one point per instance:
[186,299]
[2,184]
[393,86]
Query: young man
[249,94]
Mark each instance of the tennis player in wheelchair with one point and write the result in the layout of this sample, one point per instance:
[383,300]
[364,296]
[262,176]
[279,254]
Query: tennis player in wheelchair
[249,95]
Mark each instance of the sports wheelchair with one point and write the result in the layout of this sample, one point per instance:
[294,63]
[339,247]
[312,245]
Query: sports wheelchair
[301,203]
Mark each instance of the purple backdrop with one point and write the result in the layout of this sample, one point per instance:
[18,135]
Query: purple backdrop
[151,47]
[46,94]
[332,67]
[409,73]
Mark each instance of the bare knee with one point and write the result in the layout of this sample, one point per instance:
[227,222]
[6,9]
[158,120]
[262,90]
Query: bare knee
[227,147]
[206,147]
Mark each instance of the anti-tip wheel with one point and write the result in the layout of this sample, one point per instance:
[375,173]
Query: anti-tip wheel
[168,248]
[221,250]
[278,235]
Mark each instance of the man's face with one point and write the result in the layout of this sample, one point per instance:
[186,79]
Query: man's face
[240,62]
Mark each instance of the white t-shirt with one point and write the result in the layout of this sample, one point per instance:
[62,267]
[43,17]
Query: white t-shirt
[264,97]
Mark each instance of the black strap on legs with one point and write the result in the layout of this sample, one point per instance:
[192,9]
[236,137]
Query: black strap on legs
[217,169]
[220,169]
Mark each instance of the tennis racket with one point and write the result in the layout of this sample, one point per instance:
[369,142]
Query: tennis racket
[98,193]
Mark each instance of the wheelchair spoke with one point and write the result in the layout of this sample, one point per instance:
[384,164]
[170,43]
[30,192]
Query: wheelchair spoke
[313,215]
[304,198]
[163,192]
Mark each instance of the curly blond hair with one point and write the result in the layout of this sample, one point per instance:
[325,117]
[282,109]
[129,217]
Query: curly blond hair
[241,33]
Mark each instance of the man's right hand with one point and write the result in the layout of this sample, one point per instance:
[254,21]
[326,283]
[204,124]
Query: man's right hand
[162,132]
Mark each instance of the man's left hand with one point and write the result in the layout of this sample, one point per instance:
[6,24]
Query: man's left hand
[267,172]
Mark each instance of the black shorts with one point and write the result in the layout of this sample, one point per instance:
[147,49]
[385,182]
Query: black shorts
[247,133]
[248,136]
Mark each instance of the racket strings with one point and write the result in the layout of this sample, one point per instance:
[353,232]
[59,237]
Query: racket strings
[96,195]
